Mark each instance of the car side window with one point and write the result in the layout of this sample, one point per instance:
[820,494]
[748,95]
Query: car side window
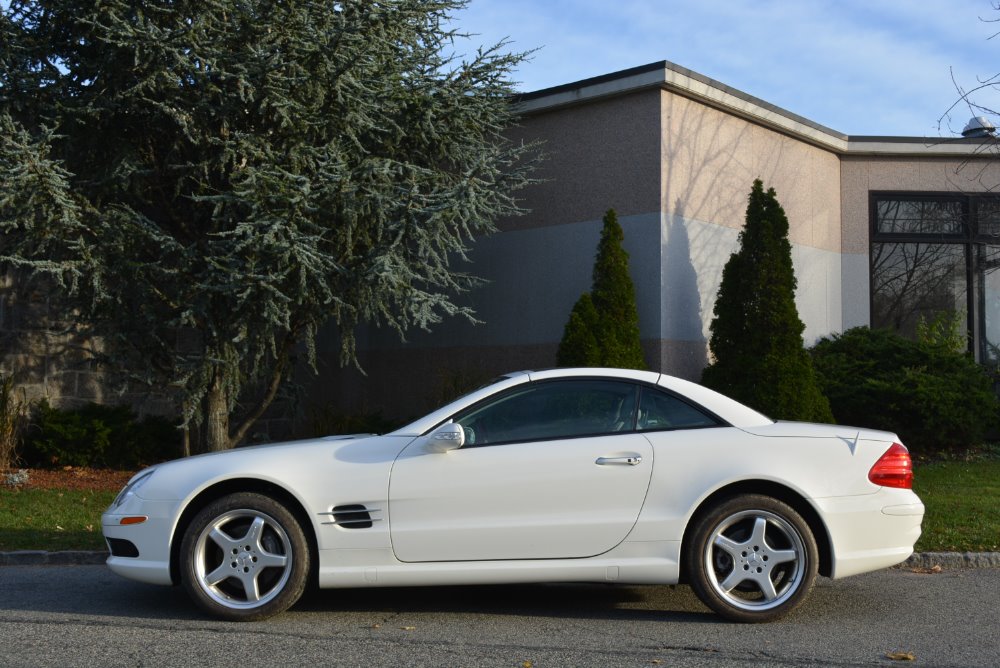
[552,410]
[659,411]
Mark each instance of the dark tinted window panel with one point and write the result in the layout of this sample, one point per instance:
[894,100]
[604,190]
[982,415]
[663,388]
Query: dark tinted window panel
[659,411]
[935,217]
[914,281]
[988,218]
[554,410]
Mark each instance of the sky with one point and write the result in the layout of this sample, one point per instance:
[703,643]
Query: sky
[860,67]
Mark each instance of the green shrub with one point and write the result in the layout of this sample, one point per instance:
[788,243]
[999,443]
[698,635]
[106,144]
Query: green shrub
[934,397]
[760,358]
[99,436]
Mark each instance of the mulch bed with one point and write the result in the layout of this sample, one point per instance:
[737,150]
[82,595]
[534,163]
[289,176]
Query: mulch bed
[75,478]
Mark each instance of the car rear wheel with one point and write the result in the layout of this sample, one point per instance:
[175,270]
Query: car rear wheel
[245,558]
[752,558]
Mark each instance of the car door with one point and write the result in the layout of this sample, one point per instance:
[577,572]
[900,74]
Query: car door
[550,470]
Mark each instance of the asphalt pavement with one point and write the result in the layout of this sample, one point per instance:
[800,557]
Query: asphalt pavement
[87,616]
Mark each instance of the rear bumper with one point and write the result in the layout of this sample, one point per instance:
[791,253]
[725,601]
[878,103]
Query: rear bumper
[871,532]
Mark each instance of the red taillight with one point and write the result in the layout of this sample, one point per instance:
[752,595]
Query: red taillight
[893,469]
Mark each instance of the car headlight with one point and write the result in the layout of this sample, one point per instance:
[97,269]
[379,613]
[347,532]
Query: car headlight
[129,489]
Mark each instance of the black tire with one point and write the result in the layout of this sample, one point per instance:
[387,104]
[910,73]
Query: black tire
[244,557]
[751,558]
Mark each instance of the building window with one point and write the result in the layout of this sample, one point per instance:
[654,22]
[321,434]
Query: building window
[934,255]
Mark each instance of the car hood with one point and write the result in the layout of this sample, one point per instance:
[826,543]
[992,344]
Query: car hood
[812,430]
[292,460]
[263,448]
[285,444]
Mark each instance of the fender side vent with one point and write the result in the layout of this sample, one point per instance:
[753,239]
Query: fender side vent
[353,516]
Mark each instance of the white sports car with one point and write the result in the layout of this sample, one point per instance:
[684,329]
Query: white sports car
[584,475]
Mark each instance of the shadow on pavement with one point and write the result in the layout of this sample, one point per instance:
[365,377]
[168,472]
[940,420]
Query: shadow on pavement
[95,591]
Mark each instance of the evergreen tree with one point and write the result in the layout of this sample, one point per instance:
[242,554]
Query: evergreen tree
[756,333]
[221,178]
[603,329]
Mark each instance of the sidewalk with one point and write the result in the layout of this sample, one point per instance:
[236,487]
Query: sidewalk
[922,560]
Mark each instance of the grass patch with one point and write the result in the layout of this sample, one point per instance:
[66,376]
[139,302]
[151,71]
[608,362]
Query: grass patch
[963,505]
[52,519]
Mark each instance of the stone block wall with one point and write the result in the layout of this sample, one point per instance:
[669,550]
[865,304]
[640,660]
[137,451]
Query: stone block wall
[51,358]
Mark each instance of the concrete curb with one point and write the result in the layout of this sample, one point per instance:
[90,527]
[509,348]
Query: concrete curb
[927,560]
[922,560]
[42,558]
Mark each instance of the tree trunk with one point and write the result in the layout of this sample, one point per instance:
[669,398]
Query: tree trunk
[273,386]
[186,442]
[217,417]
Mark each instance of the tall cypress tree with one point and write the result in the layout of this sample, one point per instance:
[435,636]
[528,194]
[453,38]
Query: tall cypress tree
[603,329]
[757,333]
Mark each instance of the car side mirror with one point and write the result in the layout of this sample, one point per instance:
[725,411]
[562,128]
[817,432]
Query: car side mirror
[447,437]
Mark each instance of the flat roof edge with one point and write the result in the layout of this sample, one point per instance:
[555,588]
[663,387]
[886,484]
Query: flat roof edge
[670,76]
[987,147]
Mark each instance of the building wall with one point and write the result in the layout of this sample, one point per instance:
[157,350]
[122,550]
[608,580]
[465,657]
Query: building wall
[49,358]
[44,362]
[860,175]
[710,159]
[598,156]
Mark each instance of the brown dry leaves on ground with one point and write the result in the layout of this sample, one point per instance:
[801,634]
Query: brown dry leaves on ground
[933,570]
[901,656]
[75,478]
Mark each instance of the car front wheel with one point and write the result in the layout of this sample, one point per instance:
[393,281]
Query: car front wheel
[245,558]
[752,558]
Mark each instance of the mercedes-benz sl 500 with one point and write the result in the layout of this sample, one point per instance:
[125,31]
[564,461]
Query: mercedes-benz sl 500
[566,475]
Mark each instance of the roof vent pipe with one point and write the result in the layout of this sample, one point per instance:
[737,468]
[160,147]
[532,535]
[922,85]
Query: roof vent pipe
[978,127]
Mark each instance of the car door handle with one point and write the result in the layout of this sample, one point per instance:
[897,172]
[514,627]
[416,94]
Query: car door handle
[635,460]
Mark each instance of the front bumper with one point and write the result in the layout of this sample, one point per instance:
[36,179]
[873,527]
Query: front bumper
[150,539]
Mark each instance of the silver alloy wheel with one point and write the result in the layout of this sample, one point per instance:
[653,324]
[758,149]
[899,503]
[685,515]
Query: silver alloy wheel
[243,559]
[754,560]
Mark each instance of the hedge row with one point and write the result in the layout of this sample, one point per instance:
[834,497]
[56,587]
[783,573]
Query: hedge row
[96,435]
[935,397]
